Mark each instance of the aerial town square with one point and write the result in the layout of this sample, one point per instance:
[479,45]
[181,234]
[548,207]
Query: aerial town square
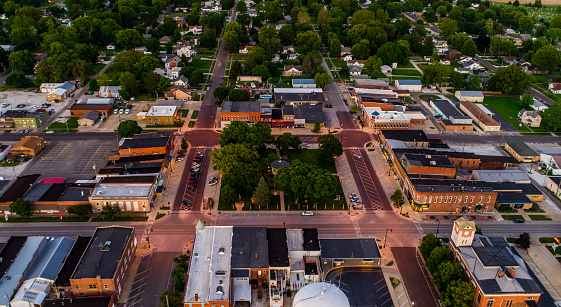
[280,153]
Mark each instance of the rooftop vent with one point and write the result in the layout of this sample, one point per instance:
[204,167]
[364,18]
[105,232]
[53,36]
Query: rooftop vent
[432,162]
[105,247]
[428,156]
[219,290]
[221,251]
[220,273]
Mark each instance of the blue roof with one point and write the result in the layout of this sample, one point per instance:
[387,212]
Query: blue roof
[67,85]
[409,82]
[375,113]
[303,81]
[51,259]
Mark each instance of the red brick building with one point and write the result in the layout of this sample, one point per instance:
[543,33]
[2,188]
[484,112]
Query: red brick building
[500,276]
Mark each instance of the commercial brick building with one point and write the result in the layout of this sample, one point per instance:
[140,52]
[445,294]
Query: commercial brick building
[247,111]
[500,276]
[146,144]
[105,263]
[486,122]
[521,151]
[435,166]
[29,145]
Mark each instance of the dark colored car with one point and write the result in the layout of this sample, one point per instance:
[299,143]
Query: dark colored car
[190,187]
[518,220]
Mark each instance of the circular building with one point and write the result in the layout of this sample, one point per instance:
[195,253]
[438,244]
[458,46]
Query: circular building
[320,294]
[275,165]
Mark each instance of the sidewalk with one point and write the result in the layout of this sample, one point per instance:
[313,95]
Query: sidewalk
[546,268]
[399,294]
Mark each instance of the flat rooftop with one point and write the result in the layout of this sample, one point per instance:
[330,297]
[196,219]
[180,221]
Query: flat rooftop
[9,253]
[71,261]
[428,160]
[97,301]
[122,190]
[209,275]
[365,248]
[249,248]
[405,135]
[164,111]
[103,253]
[51,259]
[278,247]
[448,109]
[19,188]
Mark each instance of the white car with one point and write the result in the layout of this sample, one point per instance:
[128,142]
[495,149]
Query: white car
[116,111]
[357,156]
[307,213]
[121,111]
[127,111]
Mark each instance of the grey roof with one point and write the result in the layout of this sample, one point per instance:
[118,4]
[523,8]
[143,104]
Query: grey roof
[312,113]
[241,106]
[409,82]
[249,248]
[279,163]
[405,135]
[67,85]
[278,247]
[73,193]
[236,273]
[312,96]
[101,262]
[71,261]
[146,142]
[471,93]
[288,109]
[425,160]
[92,115]
[37,191]
[522,148]
[371,82]
[94,301]
[349,248]
[509,198]
[555,179]
[50,259]
[448,109]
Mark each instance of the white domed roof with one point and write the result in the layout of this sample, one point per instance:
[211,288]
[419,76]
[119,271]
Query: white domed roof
[320,294]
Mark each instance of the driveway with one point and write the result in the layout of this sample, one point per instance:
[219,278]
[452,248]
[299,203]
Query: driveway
[415,276]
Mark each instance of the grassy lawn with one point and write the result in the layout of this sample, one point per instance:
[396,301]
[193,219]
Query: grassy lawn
[160,215]
[539,217]
[184,113]
[427,97]
[511,240]
[406,72]
[195,114]
[547,240]
[192,124]
[326,203]
[203,65]
[407,78]
[239,57]
[405,65]
[512,217]
[120,219]
[338,62]
[96,68]
[72,123]
[507,107]
[6,163]
[145,97]
[43,219]
[310,156]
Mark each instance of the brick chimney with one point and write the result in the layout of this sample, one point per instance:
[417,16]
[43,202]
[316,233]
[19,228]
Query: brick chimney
[196,297]
[501,273]
[512,271]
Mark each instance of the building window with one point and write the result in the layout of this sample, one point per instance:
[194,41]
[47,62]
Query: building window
[509,303]
[106,286]
[430,199]
[93,287]
[455,198]
[490,302]
[489,199]
[77,287]
[425,200]
[478,296]
[471,200]
[466,200]
[446,199]
[418,197]
[480,199]
[440,199]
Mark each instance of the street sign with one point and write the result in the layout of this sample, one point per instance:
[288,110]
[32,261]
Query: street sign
[61,217]
[556,240]
[6,217]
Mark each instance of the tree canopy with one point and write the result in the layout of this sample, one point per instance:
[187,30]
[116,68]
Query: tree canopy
[305,181]
[128,128]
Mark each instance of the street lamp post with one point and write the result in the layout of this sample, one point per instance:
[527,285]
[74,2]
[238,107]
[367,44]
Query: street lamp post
[386,236]
[437,228]
[144,207]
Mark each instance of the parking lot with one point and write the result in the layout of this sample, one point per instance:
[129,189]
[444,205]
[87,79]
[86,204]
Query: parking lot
[363,286]
[71,159]
[32,101]
[369,185]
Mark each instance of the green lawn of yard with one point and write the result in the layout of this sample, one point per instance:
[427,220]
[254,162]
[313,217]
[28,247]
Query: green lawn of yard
[184,113]
[203,65]
[539,217]
[510,217]
[311,156]
[239,57]
[407,64]
[507,107]
[195,114]
[62,127]
[338,62]
[145,97]
[43,219]
[407,78]
[406,72]
[120,219]
[96,68]
[326,203]
[192,124]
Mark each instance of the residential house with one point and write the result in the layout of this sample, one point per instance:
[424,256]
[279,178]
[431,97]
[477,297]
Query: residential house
[186,49]
[243,49]
[181,81]
[177,17]
[444,61]
[196,30]
[303,83]
[347,57]
[473,96]
[105,264]
[433,30]
[100,56]
[293,56]
[532,70]
[386,70]
[143,50]
[178,93]
[292,71]
[276,58]
[409,85]
[357,63]
[109,92]
[162,115]
[165,39]
[511,60]
[29,146]
[555,87]
[521,151]
[111,46]
[287,49]
[355,70]
[441,47]
[500,276]
[464,58]
[89,118]
[530,118]
[471,65]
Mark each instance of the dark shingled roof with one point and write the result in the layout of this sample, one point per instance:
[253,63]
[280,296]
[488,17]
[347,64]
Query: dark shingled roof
[154,157]
[509,198]
[522,148]
[129,179]
[349,248]
[95,301]
[249,248]
[239,273]
[96,262]
[19,188]
[63,278]
[278,247]
[312,113]
[147,141]
[10,252]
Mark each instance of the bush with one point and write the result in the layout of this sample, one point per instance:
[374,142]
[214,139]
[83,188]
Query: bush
[547,240]
[17,80]
[394,281]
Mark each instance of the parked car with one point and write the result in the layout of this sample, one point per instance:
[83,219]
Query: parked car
[327,105]
[116,111]
[307,213]
[190,187]
[305,145]
[518,220]
[357,156]
[127,111]
[121,111]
